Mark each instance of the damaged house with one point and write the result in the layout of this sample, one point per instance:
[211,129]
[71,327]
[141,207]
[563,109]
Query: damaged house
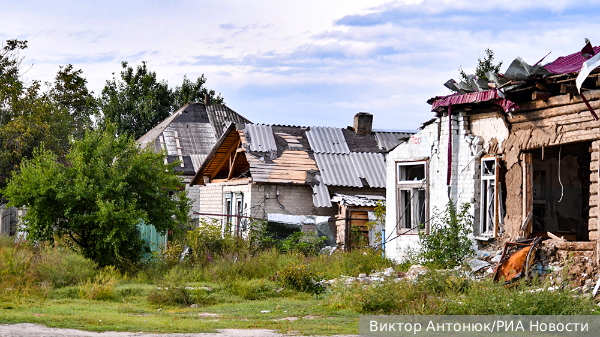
[188,135]
[521,147]
[288,174]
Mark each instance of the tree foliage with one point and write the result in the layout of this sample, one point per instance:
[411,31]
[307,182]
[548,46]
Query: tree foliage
[137,101]
[99,196]
[484,65]
[30,117]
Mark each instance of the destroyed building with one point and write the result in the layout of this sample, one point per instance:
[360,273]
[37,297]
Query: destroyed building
[522,147]
[288,174]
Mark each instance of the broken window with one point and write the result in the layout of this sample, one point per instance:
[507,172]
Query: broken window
[234,208]
[411,197]
[489,197]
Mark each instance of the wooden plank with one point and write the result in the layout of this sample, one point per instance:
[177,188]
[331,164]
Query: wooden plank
[568,89]
[224,160]
[557,101]
[527,160]
[540,95]
[575,107]
[571,245]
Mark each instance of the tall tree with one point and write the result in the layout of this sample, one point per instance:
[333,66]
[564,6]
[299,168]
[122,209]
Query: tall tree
[484,65]
[69,91]
[137,101]
[11,86]
[106,188]
[194,92]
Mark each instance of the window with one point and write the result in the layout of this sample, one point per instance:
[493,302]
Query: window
[234,208]
[489,203]
[411,197]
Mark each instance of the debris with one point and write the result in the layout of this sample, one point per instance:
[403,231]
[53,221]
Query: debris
[265,311]
[194,305]
[556,237]
[517,263]
[159,309]
[476,264]
[496,258]
[415,271]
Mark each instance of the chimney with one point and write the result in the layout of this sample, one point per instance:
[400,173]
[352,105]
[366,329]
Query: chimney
[206,99]
[363,123]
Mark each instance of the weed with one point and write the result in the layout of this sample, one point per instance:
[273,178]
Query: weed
[101,286]
[299,277]
[448,243]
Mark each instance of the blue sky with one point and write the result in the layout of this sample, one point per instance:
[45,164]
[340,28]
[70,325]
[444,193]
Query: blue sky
[303,62]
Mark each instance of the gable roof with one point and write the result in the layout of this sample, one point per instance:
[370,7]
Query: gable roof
[315,156]
[189,134]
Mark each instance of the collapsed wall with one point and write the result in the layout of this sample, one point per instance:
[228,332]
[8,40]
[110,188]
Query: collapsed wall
[561,125]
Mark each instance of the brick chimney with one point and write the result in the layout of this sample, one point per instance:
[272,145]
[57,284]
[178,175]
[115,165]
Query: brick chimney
[363,123]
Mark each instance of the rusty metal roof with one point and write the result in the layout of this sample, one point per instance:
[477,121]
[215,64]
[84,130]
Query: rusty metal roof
[327,140]
[260,137]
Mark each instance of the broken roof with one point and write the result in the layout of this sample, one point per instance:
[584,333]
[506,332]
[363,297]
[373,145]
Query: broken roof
[357,200]
[521,83]
[315,156]
[189,134]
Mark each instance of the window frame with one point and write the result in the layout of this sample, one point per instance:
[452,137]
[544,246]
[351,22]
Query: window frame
[412,187]
[486,181]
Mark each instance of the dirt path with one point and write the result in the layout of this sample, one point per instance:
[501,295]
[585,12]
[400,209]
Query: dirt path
[36,330]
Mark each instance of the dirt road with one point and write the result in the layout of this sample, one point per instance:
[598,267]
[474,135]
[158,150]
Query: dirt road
[36,330]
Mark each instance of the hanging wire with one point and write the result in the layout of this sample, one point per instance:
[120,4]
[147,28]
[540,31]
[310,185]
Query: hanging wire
[562,188]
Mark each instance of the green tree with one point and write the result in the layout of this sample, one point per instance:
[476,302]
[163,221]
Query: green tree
[484,65]
[137,101]
[105,188]
[194,92]
[69,91]
[11,86]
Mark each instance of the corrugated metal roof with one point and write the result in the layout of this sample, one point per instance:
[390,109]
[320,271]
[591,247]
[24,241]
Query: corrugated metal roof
[370,166]
[568,64]
[387,140]
[260,137]
[197,160]
[337,170]
[327,140]
[220,116]
[320,193]
[355,200]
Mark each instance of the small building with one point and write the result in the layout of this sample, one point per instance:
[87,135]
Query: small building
[354,214]
[521,147]
[274,172]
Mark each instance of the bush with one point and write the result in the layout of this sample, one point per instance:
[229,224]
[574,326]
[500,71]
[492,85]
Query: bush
[448,243]
[63,267]
[101,286]
[299,277]
[305,243]
[171,296]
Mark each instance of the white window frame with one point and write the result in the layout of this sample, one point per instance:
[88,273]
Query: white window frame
[233,204]
[412,188]
[488,201]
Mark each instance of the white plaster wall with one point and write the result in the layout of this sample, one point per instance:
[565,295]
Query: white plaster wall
[432,143]
[490,126]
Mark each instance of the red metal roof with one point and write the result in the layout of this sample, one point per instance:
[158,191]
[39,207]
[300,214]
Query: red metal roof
[481,96]
[568,64]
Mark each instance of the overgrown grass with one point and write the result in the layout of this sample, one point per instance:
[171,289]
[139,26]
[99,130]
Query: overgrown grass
[41,285]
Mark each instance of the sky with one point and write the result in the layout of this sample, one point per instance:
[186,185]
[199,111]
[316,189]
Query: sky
[299,62]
